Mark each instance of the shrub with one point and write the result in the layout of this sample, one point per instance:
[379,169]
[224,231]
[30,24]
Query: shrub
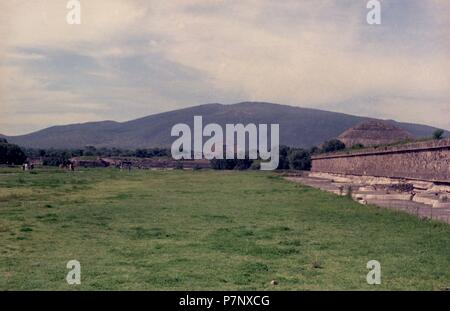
[196,167]
[255,165]
[283,163]
[358,146]
[243,164]
[222,164]
[438,134]
[314,150]
[300,160]
[333,145]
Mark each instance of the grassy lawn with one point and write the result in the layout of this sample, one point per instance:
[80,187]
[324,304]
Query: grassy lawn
[178,230]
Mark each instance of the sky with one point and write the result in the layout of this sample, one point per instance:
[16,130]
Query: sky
[132,58]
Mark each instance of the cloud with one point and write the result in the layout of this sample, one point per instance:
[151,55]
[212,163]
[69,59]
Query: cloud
[131,58]
[309,62]
[42,23]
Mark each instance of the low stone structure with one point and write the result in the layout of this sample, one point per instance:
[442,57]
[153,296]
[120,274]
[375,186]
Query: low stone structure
[161,163]
[141,163]
[88,163]
[423,199]
[427,160]
[372,133]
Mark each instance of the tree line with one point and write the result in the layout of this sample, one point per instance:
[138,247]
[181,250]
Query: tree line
[290,158]
[55,157]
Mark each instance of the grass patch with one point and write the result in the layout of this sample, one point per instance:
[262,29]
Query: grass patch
[220,230]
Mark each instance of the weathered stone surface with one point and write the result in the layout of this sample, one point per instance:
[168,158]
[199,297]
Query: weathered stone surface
[368,190]
[373,132]
[428,161]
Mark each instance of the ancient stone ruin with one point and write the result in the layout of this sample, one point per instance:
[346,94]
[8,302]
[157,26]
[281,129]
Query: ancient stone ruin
[411,177]
[372,133]
[427,160]
[138,163]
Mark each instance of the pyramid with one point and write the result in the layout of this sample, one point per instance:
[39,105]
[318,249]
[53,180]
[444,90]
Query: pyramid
[373,132]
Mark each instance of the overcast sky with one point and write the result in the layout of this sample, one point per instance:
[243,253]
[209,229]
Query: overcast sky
[131,58]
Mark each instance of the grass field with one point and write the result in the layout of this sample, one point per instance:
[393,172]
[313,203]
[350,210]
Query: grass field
[177,230]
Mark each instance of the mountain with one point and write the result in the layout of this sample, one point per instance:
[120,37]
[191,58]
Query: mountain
[301,127]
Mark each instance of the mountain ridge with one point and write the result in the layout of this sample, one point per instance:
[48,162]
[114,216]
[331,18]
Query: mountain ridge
[300,127]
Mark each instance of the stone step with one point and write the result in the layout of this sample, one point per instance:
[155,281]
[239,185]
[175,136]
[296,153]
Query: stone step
[381,196]
[425,198]
[441,205]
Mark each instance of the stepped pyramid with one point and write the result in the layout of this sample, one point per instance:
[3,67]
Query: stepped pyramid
[373,132]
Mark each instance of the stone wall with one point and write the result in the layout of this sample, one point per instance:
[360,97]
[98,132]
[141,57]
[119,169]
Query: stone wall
[429,160]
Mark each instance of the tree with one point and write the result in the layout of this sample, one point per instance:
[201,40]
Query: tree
[141,153]
[314,150]
[300,160]
[230,164]
[438,134]
[11,154]
[90,151]
[55,157]
[333,145]
[283,163]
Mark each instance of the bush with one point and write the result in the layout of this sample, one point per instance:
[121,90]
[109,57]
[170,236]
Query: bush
[256,165]
[243,164]
[333,145]
[315,150]
[55,157]
[196,167]
[300,160]
[283,163]
[438,134]
[358,146]
[222,164]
